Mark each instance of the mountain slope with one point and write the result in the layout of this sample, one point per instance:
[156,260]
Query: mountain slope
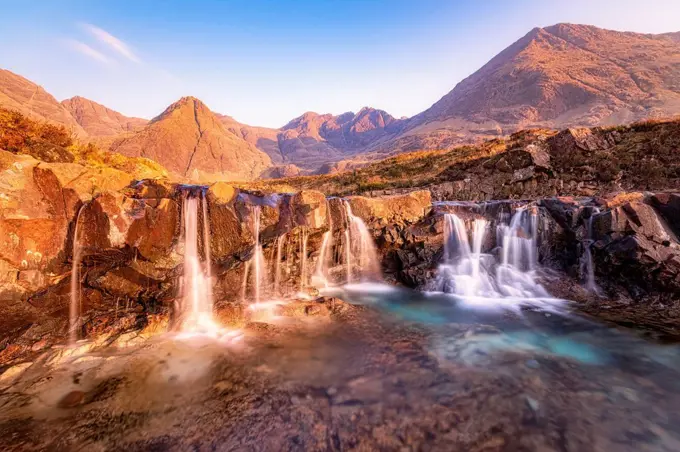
[188,139]
[98,120]
[29,99]
[313,139]
[560,76]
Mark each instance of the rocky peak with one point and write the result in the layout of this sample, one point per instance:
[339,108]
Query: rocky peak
[191,140]
[561,76]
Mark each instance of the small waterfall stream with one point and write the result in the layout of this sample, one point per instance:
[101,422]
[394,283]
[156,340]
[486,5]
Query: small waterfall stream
[75,307]
[478,277]
[361,253]
[280,241]
[321,273]
[196,283]
[587,258]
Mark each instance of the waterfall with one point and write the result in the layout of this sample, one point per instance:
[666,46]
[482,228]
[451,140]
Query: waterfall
[206,238]
[475,276]
[257,265]
[197,305]
[277,272]
[587,257]
[321,277]
[360,250]
[75,307]
[348,256]
[258,261]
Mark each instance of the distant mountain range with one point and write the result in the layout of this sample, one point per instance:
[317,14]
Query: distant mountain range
[560,76]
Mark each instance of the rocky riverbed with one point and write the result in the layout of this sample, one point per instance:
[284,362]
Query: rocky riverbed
[337,376]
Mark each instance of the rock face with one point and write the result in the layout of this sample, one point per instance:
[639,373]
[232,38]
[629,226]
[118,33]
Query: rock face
[561,76]
[130,238]
[20,94]
[188,139]
[97,120]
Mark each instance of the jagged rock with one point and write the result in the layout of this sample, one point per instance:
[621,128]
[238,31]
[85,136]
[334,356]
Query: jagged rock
[126,282]
[149,189]
[569,140]
[645,221]
[668,204]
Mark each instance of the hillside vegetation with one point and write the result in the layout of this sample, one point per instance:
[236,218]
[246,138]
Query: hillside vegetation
[54,144]
[641,156]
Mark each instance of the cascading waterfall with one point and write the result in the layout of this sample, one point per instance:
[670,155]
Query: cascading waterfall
[196,283]
[360,251]
[476,276]
[587,258]
[75,307]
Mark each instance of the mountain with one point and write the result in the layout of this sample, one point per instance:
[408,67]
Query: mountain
[98,120]
[29,99]
[313,139]
[672,36]
[561,76]
[189,139]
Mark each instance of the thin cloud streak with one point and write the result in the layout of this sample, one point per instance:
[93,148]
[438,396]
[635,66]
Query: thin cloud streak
[114,43]
[88,51]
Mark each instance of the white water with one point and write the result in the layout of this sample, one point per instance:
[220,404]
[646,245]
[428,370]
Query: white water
[360,251]
[348,257]
[321,277]
[75,307]
[481,278]
[257,263]
[277,272]
[587,258]
[197,305]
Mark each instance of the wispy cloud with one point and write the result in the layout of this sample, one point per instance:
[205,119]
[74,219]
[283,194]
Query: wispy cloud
[112,42]
[88,51]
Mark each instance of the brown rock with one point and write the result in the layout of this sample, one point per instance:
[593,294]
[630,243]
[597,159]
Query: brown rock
[72,399]
[309,209]
[409,208]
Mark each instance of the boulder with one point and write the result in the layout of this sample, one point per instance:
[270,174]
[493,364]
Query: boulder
[570,140]
[400,209]
[222,193]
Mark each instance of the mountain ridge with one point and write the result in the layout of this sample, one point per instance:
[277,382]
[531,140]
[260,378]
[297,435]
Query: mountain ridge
[98,120]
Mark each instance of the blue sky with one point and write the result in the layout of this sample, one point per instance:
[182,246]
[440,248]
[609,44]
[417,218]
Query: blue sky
[266,62]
